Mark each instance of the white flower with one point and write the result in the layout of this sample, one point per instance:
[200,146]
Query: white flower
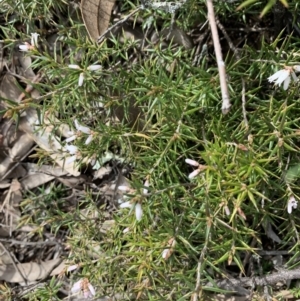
[126,230]
[26,47]
[146,184]
[80,129]
[81,75]
[196,164]
[72,150]
[124,188]
[227,210]
[80,79]
[126,205]
[137,206]
[296,68]
[292,204]
[83,286]
[131,204]
[34,43]
[94,67]
[72,66]
[166,253]
[34,39]
[138,211]
[284,76]
[192,162]
[88,140]
[72,267]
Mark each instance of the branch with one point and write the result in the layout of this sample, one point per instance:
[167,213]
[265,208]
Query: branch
[221,65]
[233,284]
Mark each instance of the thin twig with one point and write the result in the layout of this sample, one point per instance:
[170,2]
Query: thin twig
[198,279]
[221,65]
[234,284]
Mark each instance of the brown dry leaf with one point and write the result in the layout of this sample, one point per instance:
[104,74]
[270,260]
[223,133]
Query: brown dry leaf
[35,180]
[96,16]
[55,171]
[20,148]
[9,88]
[31,271]
[39,175]
[46,140]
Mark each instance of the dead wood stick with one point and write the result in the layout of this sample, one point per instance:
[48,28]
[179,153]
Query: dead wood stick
[221,65]
[233,284]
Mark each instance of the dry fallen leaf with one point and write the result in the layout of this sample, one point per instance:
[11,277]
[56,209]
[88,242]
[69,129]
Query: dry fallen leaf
[20,148]
[9,88]
[46,140]
[96,16]
[31,271]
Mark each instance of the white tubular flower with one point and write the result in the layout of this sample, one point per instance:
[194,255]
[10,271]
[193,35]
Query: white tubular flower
[72,267]
[284,76]
[126,205]
[126,230]
[94,67]
[166,253]
[146,184]
[76,288]
[88,140]
[138,211]
[227,210]
[71,138]
[72,149]
[26,47]
[80,129]
[80,79]
[296,68]
[83,286]
[134,204]
[196,171]
[72,66]
[34,39]
[124,188]
[137,206]
[81,75]
[34,43]
[292,204]
[192,162]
